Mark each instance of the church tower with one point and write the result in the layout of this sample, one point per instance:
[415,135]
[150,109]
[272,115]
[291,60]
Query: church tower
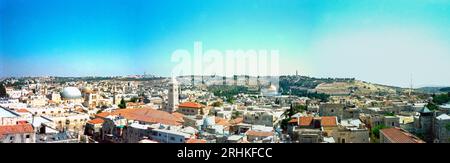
[173,95]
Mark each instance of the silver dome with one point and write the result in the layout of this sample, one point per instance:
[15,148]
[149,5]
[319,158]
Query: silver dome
[71,93]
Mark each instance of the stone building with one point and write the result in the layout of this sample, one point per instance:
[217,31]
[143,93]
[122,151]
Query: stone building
[351,131]
[441,129]
[328,109]
[313,129]
[424,124]
[261,117]
[20,133]
[192,109]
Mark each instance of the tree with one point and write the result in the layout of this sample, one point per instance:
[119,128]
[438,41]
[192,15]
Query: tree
[294,110]
[217,104]
[290,112]
[134,99]
[3,91]
[376,130]
[447,126]
[432,106]
[390,114]
[235,114]
[122,104]
[230,100]
[441,99]
[99,111]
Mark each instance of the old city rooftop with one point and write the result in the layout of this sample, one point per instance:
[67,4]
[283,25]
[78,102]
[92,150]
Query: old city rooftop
[96,121]
[326,121]
[16,129]
[147,115]
[190,105]
[396,135]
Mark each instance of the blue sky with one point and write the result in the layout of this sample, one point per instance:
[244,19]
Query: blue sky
[382,41]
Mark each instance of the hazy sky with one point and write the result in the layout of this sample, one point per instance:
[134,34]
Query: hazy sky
[382,41]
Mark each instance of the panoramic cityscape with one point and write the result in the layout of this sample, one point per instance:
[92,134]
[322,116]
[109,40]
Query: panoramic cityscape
[257,71]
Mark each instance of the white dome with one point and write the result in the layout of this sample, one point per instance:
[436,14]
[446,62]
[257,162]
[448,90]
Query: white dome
[270,91]
[71,93]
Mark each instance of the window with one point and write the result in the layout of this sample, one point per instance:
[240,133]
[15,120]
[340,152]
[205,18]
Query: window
[27,136]
[11,138]
[332,110]
[393,124]
[172,138]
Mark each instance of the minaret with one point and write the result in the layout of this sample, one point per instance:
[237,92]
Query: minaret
[193,80]
[172,104]
[411,85]
[247,80]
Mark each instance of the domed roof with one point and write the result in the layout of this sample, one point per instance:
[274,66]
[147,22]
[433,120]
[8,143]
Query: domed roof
[86,89]
[270,90]
[71,93]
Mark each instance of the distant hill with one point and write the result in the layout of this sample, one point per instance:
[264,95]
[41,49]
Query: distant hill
[446,89]
[334,86]
[355,87]
[431,90]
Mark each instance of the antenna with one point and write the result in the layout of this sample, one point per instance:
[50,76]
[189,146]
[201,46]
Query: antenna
[411,85]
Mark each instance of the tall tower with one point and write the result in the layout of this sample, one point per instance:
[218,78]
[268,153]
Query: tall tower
[410,85]
[247,80]
[172,104]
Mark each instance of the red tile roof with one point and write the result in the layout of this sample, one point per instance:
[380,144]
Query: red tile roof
[305,121]
[149,115]
[196,141]
[22,110]
[327,121]
[16,129]
[178,115]
[103,114]
[259,133]
[293,120]
[22,122]
[330,121]
[135,103]
[236,121]
[221,121]
[96,121]
[397,135]
[190,105]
